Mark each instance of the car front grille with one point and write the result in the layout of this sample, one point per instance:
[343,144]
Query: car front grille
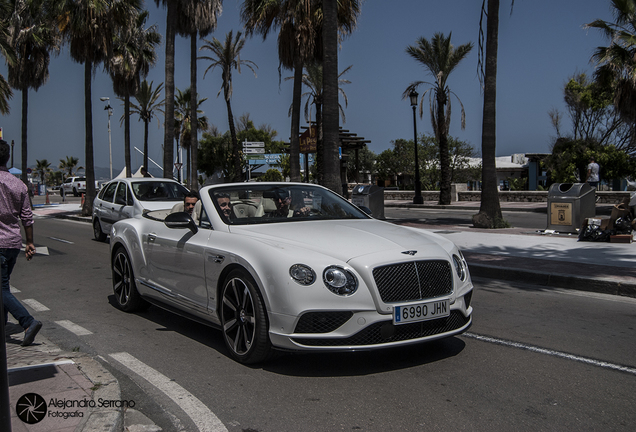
[386,332]
[322,322]
[415,280]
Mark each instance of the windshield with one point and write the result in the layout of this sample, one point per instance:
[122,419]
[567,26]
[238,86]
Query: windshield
[256,204]
[158,191]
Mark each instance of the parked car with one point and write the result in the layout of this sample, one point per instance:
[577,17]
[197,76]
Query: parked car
[292,266]
[74,185]
[130,197]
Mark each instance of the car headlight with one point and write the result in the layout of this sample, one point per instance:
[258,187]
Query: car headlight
[340,281]
[460,268]
[302,274]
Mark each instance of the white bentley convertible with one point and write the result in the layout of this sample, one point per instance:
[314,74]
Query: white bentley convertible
[292,266]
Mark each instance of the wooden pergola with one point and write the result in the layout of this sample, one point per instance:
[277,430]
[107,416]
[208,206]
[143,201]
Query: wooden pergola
[349,141]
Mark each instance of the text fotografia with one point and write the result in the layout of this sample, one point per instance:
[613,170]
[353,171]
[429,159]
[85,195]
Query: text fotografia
[90,403]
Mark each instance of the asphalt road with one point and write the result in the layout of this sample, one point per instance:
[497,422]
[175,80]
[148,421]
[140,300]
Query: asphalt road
[535,359]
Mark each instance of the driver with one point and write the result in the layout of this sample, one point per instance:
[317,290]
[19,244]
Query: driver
[283,201]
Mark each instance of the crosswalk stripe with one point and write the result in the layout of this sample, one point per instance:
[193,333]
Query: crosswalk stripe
[73,328]
[35,305]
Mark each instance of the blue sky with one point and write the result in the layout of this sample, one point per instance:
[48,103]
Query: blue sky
[540,45]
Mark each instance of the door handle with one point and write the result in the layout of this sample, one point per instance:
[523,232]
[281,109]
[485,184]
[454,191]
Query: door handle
[152,238]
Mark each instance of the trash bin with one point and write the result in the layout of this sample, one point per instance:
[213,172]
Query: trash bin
[370,196]
[569,204]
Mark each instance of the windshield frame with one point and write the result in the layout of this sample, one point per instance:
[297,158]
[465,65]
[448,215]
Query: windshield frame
[266,203]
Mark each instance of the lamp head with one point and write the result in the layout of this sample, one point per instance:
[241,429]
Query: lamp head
[413,97]
[104,99]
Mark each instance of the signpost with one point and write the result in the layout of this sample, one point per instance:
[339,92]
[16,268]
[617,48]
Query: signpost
[253,150]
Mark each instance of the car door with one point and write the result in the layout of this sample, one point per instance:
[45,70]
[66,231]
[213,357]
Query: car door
[104,206]
[123,203]
[175,266]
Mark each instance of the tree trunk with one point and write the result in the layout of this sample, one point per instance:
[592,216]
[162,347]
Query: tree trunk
[330,93]
[236,148]
[320,145]
[25,113]
[168,138]
[193,178]
[127,134]
[490,210]
[294,142]
[146,144]
[444,161]
[87,207]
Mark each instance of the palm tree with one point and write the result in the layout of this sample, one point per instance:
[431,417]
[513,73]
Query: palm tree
[9,54]
[42,168]
[227,56]
[489,215]
[299,42]
[183,126]
[312,79]
[196,18]
[440,58]
[33,35]
[616,63]
[69,165]
[147,103]
[89,26]
[133,55]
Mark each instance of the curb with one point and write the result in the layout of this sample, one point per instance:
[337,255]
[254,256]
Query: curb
[106,388]
[566,281]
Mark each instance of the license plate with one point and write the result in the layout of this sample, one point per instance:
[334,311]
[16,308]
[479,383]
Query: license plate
[421,312]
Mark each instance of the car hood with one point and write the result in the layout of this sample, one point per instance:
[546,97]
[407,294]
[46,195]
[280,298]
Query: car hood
[345,239]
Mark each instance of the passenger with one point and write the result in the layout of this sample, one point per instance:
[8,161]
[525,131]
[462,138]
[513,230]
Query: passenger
[223,200]
[189,201]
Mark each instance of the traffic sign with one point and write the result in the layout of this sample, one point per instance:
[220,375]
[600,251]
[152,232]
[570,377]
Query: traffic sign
[251,144]
[253,150]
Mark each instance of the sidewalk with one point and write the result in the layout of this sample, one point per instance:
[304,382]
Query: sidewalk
[515,254]
[537,257]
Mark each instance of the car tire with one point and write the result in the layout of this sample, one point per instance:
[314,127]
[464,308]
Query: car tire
[100,236]
[127,297]
[244,319]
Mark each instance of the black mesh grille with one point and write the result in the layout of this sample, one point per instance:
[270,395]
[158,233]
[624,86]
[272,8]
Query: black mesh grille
[416,280]
[322,322]
[386,332]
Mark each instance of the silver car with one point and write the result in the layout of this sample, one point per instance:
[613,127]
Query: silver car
[130,197]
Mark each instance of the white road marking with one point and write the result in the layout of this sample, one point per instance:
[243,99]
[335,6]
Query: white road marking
[13,289]
[39,250]
[203,418]
[73,328]
[550,352]
[35,305]
[61,240]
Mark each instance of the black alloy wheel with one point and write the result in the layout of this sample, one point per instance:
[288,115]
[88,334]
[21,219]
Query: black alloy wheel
[124,287]
[244,319]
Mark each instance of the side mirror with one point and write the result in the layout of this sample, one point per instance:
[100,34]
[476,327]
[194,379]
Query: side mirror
[180,220]
[120,200]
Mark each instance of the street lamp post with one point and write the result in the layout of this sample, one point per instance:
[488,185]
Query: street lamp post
[417,198]
[110,148]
